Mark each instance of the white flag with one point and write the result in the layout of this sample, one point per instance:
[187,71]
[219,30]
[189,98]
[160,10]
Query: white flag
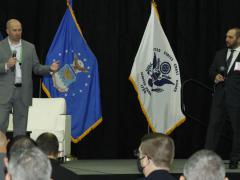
[155,76]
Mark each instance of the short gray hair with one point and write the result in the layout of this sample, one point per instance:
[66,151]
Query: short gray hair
[29,164]
[204,164]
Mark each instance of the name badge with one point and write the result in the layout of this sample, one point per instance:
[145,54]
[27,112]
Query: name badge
[237,66]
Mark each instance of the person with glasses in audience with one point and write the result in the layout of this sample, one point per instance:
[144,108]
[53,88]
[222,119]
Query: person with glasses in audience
[155,156]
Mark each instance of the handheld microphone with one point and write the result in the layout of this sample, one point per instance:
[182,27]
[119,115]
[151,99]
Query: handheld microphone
[222,71]
[14,53]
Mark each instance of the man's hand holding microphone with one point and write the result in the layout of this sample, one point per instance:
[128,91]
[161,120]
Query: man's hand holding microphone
[12,61]
[221,76]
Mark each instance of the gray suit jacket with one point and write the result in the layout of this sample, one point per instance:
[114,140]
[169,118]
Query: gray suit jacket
[30,64]
[2,165]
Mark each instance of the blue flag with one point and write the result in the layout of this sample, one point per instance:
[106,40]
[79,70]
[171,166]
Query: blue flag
[77,79]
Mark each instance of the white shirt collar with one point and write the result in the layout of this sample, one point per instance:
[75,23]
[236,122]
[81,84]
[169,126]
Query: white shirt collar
[19,44]
[236,49]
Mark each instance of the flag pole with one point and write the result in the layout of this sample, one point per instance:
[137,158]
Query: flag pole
[40,80]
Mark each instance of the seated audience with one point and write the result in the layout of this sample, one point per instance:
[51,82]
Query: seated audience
[48,143]
[3,150]
[28,164]
[20,142]
[204,165]
[155,156]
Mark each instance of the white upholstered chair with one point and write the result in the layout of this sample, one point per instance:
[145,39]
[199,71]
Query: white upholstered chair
[49,115]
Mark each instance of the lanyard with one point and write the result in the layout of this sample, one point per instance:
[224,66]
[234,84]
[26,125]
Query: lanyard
[20,60]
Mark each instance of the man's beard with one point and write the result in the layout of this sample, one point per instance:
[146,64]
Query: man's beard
[232,46]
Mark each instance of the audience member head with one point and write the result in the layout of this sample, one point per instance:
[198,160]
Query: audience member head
[29,164]
[19,142]
[202,165]
[155,152]
[3,143]
[48,143]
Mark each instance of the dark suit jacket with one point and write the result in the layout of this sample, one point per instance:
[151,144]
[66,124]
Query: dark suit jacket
[30,64]
[229,90]
[61,173]
[159,175]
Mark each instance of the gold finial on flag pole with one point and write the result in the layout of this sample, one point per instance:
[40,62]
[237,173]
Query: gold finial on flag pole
[155,8]
[68,3]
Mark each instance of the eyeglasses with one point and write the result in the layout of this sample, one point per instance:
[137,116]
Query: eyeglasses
[136,153]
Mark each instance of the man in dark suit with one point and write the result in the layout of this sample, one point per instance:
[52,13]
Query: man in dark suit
[155,156]
[18,59]
[48,143]
[225,73]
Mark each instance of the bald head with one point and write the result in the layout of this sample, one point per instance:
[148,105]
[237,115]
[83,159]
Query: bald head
[14,30]
[236,31]
[12,22]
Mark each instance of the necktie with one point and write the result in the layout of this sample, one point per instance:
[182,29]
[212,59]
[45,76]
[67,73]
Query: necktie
[229,60]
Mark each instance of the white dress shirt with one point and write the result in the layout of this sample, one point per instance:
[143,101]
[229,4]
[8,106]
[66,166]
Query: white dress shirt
[18,48]
[235,55]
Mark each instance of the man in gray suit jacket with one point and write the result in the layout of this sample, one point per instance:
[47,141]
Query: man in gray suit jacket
[18,59]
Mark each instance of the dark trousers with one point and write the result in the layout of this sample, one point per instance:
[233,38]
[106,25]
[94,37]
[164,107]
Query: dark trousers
[219,113]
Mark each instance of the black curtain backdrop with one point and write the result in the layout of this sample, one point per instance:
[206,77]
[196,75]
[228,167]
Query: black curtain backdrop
[113,30]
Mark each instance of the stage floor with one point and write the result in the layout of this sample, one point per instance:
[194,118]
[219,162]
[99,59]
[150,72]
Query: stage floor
[125,168]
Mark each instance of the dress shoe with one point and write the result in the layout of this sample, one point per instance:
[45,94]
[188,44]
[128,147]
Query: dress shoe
[233,164]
